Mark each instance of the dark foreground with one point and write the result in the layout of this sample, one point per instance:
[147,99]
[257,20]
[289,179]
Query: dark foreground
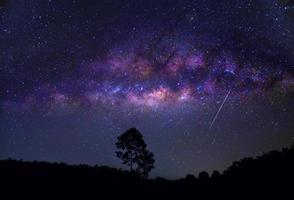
[267,176]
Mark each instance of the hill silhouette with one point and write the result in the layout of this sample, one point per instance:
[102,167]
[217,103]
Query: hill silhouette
[266,176]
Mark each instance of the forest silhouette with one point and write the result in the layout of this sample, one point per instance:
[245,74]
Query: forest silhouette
[267,176]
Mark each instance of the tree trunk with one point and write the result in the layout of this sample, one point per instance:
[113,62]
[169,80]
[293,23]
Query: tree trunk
[131,167]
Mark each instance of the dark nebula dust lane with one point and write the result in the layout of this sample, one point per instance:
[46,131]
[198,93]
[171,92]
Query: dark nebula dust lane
[206,82]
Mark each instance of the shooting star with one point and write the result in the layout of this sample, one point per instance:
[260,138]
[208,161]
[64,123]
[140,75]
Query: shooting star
[220,108]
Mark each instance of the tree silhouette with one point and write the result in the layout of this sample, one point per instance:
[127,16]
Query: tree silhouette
[203,175]
[133,152]
[215,174]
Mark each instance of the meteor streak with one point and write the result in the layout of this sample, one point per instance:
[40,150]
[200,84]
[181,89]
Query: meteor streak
[220,108]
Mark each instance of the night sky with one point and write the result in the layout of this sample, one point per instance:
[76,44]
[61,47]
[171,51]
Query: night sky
[207,82]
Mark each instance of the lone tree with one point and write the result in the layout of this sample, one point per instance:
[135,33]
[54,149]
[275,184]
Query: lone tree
[133,152]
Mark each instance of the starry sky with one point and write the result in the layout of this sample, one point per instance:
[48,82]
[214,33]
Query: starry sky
[207,82]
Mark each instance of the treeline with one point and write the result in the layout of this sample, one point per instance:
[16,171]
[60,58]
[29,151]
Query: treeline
[263,176]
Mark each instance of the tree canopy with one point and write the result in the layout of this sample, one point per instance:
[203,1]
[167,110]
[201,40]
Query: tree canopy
[133,152]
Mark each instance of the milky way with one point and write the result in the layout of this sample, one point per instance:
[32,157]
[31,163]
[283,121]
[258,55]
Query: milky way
[75,74]
[177,74]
